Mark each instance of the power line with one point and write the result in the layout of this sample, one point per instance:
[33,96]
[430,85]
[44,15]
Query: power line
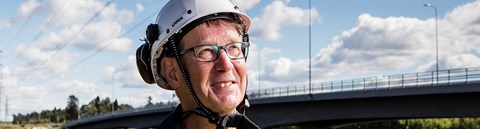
[21,29]
[98,50]
[56,17]
[28,45]
[73,37]
[48,25]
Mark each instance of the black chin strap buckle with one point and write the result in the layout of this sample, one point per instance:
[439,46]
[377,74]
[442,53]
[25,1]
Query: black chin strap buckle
[212,117]
[215,119]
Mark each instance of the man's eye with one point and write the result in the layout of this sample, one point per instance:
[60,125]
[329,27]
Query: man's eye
[234,50]
[206,51]
[235,46]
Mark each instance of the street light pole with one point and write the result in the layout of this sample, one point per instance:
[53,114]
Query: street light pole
[436,32]
[259,68]
[310,47]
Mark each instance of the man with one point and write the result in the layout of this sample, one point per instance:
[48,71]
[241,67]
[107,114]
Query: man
[198,48]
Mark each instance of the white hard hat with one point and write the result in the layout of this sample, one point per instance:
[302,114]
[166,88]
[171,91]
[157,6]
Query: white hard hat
[177,14]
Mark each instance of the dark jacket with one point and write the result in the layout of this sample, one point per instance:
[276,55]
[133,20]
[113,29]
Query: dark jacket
[174,120]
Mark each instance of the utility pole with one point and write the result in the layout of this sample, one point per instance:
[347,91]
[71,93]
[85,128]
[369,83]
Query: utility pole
[6,107]
[1,82]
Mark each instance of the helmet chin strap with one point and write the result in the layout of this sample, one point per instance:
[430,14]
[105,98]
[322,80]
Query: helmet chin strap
[234,120]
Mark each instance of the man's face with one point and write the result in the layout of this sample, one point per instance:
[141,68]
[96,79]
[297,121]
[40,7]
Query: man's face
[220,85]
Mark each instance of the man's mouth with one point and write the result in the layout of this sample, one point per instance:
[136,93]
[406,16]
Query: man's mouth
[223,84]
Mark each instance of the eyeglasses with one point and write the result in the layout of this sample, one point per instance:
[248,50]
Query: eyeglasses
[211,52]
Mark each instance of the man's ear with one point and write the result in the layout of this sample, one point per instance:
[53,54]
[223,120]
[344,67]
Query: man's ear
[170,72]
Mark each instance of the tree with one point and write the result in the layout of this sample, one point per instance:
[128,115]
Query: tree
[124,106]
[71,110]
[54,117]
[105,105]
[97,105]
[20,119]
[84,111]
[149,104]
[15,119]
[115,105]
[33,118]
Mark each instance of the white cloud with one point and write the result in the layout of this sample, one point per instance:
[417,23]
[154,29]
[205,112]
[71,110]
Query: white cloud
[4,24]
[97,35]
[72,11]
[254,70]
[465,16]
[245,4]
[84,89]
[466,21]
[38,66]
[128,79]
[278,15]
[30,95]
[126,74]
[65,26]
[73,34]
[71,18]
[378,42]
[139,7]
[390,44]
[283,68]
[25,10]
[263,54]
[112,14]
[139,96]
[462,61]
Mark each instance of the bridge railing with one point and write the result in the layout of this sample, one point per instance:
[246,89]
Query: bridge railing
[421,79]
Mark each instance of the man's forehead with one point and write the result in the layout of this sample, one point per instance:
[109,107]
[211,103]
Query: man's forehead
[212,34]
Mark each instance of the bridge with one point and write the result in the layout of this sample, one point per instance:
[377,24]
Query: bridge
[437,94]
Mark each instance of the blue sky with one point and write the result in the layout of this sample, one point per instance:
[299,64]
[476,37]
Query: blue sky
[53,48]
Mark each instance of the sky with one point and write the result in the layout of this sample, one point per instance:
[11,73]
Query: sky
[51,49]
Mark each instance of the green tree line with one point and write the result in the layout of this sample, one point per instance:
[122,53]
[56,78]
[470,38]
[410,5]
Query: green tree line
[73,111]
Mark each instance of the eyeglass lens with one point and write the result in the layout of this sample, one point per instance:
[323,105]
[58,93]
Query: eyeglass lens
[211,52]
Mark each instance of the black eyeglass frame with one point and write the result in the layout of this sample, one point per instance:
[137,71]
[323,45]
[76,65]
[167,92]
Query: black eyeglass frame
[244,48]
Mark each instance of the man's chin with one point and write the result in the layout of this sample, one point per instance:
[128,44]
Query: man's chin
[225,108]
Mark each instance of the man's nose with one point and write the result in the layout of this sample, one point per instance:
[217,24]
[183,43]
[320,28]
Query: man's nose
[223,63]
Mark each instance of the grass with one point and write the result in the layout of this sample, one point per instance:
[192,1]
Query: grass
[31,126]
